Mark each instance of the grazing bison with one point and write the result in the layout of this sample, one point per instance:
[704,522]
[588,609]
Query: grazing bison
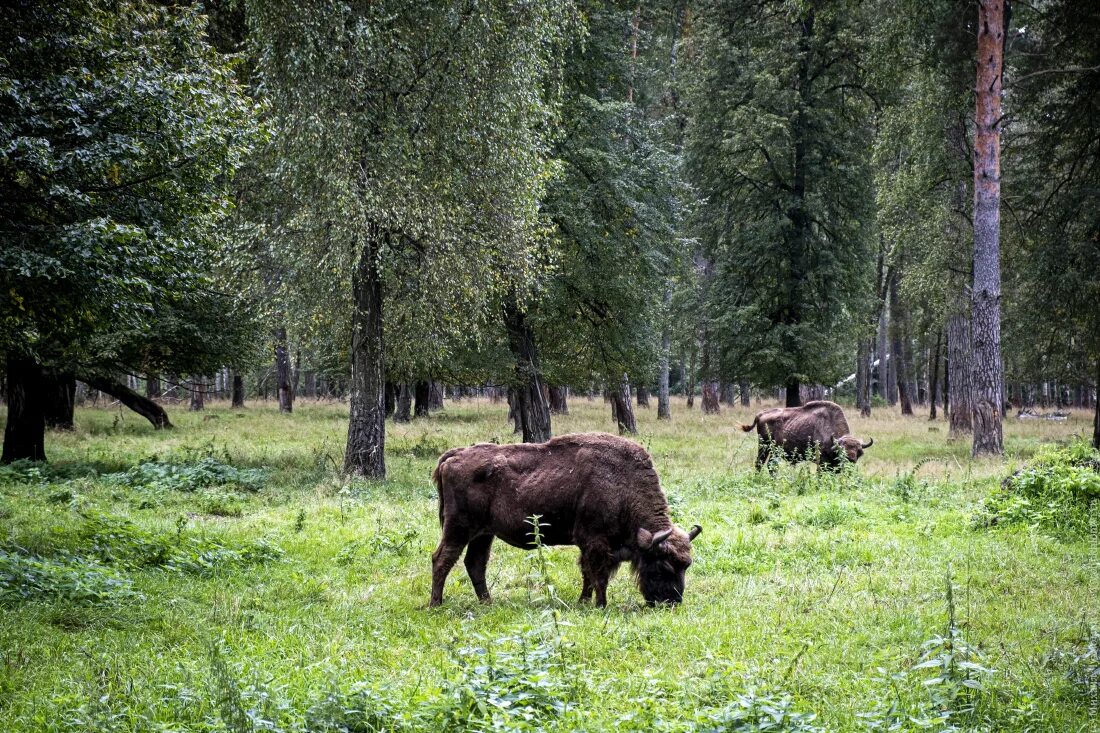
[798,431]
[596,491]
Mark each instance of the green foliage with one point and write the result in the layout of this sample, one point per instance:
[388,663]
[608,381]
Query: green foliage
[1081,663]
[206,473]
[26,577]
[777,148]
[1056,491]
[752,712]
[122,128]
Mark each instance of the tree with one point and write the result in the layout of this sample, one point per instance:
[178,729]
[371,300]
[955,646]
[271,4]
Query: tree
[122,129]
[427,148]
[777,146]
[987,368]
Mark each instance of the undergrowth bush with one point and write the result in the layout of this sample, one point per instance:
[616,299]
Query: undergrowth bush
[751,712]
[24,577]
[1053,492]
[189,477]
[113,541]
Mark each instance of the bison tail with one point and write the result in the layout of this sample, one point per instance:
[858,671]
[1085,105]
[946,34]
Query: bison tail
[437,479]
[755,420]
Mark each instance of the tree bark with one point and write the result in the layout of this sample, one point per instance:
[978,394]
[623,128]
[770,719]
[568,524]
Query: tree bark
[143,406]
[621,408]
[711,394]
[863,377]
[643,397]
[531,403]
[282,370]
[25,432]
[746,394]
[198,394]
[423,395]
[898,348]
[793,392]
[960,412]
[987,369]
[664,411]
[59,399]
[934,377]
[391,399]
[1096,411]
[152,386]
[435,396]
[365,454]
[691,380]
[559,400]
[238,390]
[403,407]
[880,355]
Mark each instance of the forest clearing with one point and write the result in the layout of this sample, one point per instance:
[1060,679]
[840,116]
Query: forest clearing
[305,305]
[279,596]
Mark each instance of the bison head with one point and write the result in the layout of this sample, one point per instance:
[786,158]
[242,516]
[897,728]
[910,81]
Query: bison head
[660,561]
[853,446]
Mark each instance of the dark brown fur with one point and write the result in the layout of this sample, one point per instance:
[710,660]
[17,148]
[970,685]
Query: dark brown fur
[799,431]
[596,491]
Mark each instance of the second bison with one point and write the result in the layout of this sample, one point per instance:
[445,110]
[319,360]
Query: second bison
[596,491]
[800,432]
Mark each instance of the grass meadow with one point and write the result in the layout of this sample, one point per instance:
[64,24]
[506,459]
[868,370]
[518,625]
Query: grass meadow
[222,576]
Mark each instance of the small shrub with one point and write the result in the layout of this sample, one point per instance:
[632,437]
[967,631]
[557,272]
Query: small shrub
[1081,664]
[750,712]
[1053,492]
[189,477]
[515,683]
[67,577]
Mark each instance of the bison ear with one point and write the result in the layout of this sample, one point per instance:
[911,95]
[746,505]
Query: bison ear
[695,531]
[645,538]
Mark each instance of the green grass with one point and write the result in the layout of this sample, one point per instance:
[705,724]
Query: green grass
[303,604]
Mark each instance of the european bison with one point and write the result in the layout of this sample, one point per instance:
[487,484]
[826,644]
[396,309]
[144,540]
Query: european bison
[798,431]
[596,491]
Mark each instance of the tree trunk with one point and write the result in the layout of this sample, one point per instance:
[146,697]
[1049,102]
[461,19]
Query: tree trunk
[198,394]
[435,396]
[391,399]
[423,395]
[559,400]
[746,394]
[531,403]
[513,412]
[960,412]
[899,348]
[691,380]
[1096,411]
[863,377]
[643,397]
[143,406]
[880,355]
[25,432]
[59,399]
[152,387]
[238,390]
[403,407]
[365,454]
[282,370]
[711,403]
[934,377]
[621,408]
[793,392]
[664,411]
[986,367]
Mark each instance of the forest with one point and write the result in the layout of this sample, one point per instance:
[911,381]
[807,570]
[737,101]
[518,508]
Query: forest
[264,262]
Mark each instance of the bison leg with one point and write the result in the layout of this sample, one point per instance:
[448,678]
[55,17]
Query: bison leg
[597,566]
[477,559]
[443,559]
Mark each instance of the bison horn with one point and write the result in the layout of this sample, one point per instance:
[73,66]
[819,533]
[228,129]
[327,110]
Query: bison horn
[869,443]
[661,536]
[694,532]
